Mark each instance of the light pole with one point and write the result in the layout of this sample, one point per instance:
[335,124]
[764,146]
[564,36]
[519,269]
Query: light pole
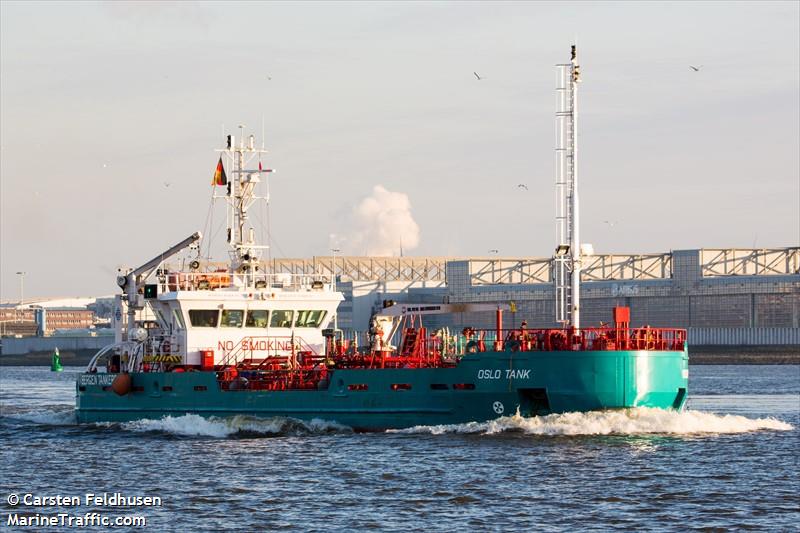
[333,286]
[333,267]
[21,288]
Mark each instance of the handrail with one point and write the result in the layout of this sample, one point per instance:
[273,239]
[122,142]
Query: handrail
[570,339]
[194,281]
[124,344]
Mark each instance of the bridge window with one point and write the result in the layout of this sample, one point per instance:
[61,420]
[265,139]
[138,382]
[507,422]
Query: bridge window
[232,318]
[257,318]
[159,317]
[281,319]
[310,319]
[203,318]
[178,317]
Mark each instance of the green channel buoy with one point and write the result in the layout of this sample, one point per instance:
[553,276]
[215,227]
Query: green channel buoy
[55,364]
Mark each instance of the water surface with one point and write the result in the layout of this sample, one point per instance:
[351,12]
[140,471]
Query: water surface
[730,461]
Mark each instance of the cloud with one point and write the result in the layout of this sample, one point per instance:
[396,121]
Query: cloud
[381,224]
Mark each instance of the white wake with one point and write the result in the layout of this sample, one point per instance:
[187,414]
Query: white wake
[197,426]
[640,420]
[47,417]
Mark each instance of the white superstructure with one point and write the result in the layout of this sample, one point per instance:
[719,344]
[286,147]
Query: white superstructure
[179,316]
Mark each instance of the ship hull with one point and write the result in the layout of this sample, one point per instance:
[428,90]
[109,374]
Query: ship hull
[482,387]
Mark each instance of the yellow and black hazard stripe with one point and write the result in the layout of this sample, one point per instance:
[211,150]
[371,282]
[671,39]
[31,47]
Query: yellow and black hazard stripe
[155,358]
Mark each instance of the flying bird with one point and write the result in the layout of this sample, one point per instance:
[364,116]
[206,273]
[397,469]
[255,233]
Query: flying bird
[479,77]
[522,186]
[610,223]
[696,69]
[493,251]
[167,184]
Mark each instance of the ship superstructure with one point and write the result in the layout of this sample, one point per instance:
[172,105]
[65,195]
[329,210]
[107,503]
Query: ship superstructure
[206,314]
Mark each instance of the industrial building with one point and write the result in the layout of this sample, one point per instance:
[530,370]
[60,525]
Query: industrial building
[42,321]
[741,297]
[722,296]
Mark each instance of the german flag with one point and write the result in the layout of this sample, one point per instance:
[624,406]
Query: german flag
[219,175]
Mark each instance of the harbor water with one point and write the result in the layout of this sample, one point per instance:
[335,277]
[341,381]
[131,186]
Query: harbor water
[730,462]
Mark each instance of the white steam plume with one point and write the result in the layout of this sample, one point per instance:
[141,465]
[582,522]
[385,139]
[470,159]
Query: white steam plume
[381,224]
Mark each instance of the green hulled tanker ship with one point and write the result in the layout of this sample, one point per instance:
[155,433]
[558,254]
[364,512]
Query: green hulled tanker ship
[236,339]
[481,386]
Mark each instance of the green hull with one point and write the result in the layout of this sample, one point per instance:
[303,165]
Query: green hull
[483,386]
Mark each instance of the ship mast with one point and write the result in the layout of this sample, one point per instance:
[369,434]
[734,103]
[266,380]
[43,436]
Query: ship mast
[567,261]
[245,252]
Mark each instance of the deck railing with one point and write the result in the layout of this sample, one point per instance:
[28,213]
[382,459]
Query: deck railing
[197,281]
[584,339]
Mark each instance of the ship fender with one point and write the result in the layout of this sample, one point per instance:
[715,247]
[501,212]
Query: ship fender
[122,384]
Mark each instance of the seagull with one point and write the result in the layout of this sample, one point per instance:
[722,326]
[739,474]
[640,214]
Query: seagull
[523,186]
[167,184]
[269,78]
[477,76]
[493,251]
[696,69]
[611,224]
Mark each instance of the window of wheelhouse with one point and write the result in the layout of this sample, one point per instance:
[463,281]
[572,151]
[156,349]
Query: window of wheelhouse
[257,318]
[178,318]
[281,319]
[160,318]
[203,318]
[310,319]
[231,318]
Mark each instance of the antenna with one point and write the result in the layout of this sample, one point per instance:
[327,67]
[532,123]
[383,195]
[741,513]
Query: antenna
[245,176]
[567,260]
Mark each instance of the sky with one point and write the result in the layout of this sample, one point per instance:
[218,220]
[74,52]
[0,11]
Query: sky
[379,129]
